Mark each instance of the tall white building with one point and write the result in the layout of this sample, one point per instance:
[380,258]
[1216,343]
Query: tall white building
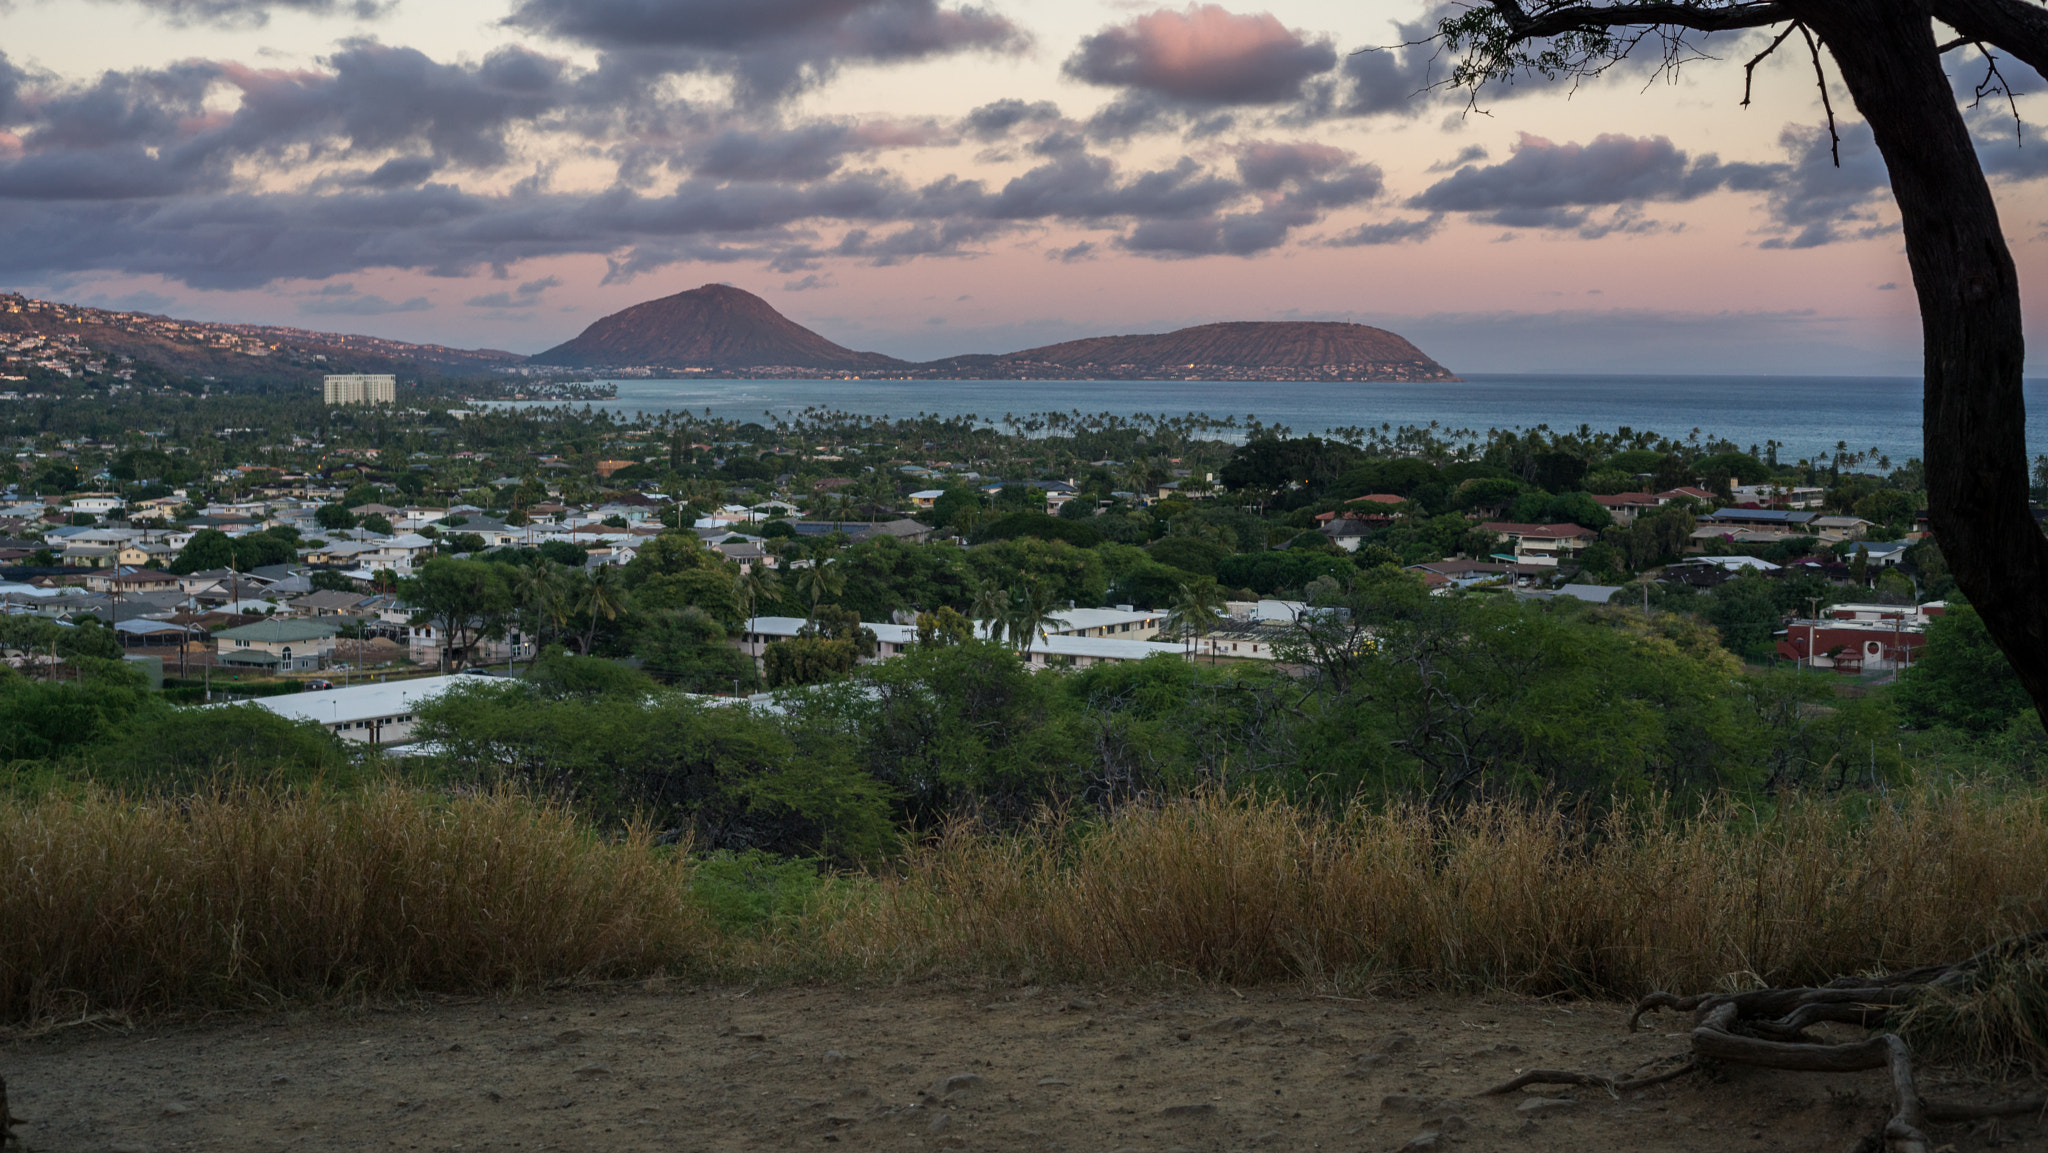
[362,388]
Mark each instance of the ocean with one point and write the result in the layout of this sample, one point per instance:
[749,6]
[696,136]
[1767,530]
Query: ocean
[1807,415]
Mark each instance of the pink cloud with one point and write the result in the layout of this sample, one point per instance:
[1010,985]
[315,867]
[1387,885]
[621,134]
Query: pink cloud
[1205,54]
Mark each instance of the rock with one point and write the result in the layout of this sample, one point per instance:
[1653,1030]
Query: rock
[1199,1109]
[1053,1081]
[939,1123]
[1507,1048]
[280,1079]
[957,1083]
[837,1119]
[1183,1035]
[1131,1054]
[570,1037]
[1407,1103]
[1451,1123]
[1081,1005]
[1228,1025]
[1538,1106]
[494,1095]
[176,1108]
[751,1035]
[1396,1043]
[594,1072]
[1426,1141]
[834,1057]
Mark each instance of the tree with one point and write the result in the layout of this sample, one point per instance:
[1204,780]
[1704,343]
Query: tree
[465,600]
[601,597]
[1195,611]
[820,582]
[1963,273]
[1027,615]
[1960,678]
[334,517]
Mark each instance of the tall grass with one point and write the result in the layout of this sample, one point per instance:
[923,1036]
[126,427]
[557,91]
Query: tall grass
[109,904]
[1500,897]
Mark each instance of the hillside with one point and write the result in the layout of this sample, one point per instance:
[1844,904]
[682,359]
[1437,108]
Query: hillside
[241,353]
[1235,350]
[714,327]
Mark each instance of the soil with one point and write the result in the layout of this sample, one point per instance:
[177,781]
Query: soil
[922,1068]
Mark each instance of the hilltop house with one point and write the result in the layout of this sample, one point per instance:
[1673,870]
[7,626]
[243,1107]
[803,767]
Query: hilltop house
[279,645]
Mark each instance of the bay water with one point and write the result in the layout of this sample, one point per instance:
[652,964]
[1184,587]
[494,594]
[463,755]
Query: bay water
[1807,415]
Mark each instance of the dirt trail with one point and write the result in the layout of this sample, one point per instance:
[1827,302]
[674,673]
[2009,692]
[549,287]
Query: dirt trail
[914,1069]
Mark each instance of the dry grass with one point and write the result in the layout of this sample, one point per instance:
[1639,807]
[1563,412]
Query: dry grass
[1248,892]
[111,905]
[106,904]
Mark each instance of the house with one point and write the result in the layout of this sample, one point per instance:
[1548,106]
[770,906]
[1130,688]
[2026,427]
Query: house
[97,504]
[136,554]
[1686,492]
[373,714]
[1061,650]
[1457,573]
[1625,507]
[329,603]
[137,581]
[90,556]
[1839,527]
[1349,534]
[1855,645]
[400,553]
[1775,522]
[1539,544]
[279,645]
[1779,496]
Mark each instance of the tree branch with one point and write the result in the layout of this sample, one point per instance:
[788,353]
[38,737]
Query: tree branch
[1749,69]
[2018,27]
[1601,17]
[1834,137]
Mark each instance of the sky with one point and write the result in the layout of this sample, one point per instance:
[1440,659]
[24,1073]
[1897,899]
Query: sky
[932,177]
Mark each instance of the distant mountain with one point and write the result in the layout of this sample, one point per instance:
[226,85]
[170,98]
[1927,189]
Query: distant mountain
[713,327]
[1235,350]
[718,328]
[242,353]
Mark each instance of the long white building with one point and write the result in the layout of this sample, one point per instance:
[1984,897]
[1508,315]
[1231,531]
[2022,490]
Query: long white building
[374,714]
[361,388]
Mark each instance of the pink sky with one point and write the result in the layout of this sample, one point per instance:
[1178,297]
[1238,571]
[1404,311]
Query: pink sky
[924,177]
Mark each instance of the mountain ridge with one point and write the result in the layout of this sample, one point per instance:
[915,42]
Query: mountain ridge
[721,328]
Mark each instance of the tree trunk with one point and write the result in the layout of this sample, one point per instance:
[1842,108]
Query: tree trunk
[1975,412]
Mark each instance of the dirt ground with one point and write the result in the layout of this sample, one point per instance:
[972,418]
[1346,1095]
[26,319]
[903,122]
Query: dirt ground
[918,1068]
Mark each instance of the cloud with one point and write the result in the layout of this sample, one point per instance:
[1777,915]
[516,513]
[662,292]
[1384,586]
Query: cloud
[362,306]
[806,152]
[257,12]
[997,119]
[769,48]
[528,295]
[1388,232]
[809,283]
[1203,55]
[1818,203]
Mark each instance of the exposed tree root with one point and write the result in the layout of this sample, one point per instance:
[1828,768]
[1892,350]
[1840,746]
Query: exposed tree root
[1767,1028]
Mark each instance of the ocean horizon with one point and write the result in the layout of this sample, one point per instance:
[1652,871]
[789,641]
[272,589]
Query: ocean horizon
[1807,415]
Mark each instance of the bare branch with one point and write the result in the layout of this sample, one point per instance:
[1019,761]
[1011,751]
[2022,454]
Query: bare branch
[1834,137]
[1994,81]
[1749,69]
[2014,25]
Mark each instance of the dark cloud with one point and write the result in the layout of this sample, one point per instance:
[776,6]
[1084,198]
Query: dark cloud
[398,172]
[1388,232]
[805,152]
[1818,203]
[1466,155]
[1073,254]
[362,306]
[1203,55]
[998,119]
[809,283]
[1613,169]
[257,12]
[528,295]
[1561,187]
[770,48]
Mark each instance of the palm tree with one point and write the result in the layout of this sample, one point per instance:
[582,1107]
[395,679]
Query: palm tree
[601,597]
[750,587]
[534,587]
[820,581]
[989,606]
[1030,615]
[1195,610]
